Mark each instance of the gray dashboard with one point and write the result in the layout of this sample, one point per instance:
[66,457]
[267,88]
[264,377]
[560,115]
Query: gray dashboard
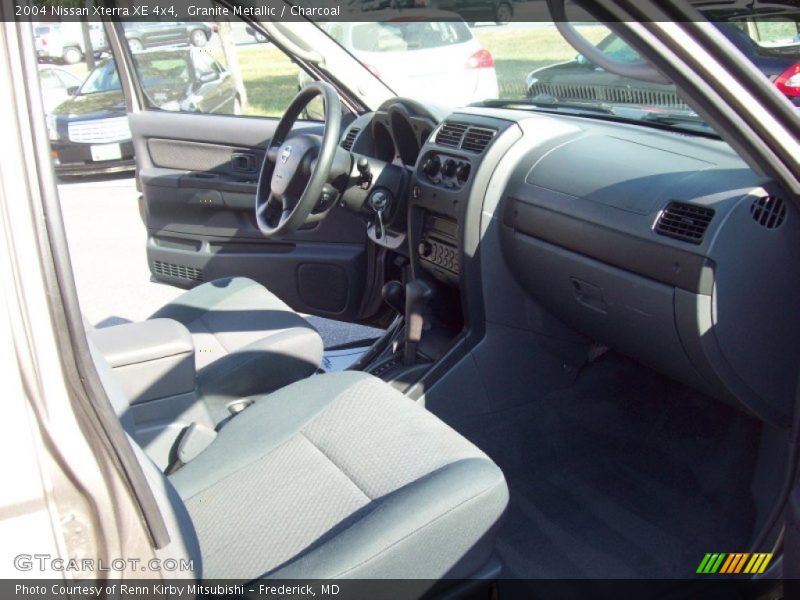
[662,245]
[666,247]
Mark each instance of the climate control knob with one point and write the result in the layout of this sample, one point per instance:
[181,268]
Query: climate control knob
[432,166]
[463,172]
[449,168]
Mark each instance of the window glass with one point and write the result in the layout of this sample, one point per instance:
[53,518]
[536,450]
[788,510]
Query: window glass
[104,78]
[49,80]
[772,33]
[457,63]
[206,67]
[67,79]
[402,37]
[617,48]
[212,67]
[158,70]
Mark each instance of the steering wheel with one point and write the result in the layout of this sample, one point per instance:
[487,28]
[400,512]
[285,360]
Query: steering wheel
[295,172]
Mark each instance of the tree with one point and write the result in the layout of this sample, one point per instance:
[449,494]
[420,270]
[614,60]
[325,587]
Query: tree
[88,48]
[232,59]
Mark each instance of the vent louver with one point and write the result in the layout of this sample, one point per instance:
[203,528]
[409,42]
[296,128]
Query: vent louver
[465,137]
[451,134]
[768,211]
[477,138]
[687,222]
[168,269]
[350,138]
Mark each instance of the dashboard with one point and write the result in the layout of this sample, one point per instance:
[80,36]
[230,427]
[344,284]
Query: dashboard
[395,132]
[664,246]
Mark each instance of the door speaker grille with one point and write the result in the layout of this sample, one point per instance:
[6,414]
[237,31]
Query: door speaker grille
[167,269]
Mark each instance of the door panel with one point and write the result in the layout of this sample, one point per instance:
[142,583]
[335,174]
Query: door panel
[198,175]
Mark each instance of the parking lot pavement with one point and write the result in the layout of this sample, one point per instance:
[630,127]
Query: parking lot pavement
[107,249]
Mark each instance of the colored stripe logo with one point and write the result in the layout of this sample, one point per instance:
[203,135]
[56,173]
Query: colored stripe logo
[734,563]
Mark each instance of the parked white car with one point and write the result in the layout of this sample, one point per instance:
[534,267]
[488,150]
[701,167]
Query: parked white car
[420,56]
[64,41]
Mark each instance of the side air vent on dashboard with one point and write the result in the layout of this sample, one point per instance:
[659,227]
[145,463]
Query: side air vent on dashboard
[451,134]
[350,138]
[682,221]
[477,138]
[768,211]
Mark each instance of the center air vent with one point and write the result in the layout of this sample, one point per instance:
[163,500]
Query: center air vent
[682,221]
[465,137]
[350,138]
[477,138]
[768,211]
[451,134]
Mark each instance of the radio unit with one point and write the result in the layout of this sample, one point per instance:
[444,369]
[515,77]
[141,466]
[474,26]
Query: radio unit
[438,246]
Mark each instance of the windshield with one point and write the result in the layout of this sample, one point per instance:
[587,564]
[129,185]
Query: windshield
[103,79]
[530,65]
[164,71]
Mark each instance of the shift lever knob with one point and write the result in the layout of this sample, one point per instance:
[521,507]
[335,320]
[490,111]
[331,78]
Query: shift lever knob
[394,294]
[418,293]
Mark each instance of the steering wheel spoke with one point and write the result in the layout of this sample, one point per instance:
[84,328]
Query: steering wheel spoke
[263,207]
[288,203]
[272,153]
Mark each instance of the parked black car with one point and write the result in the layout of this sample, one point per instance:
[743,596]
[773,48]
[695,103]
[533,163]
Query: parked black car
[143,34]
[497,11]
[581,80]
[89,132]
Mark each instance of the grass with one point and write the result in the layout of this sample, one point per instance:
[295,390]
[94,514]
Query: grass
[270,80]
[518,52]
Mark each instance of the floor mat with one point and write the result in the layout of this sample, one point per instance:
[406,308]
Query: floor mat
[626,474]
[339,333]
[339,360]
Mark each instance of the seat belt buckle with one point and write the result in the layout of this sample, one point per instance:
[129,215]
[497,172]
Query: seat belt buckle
[193,441]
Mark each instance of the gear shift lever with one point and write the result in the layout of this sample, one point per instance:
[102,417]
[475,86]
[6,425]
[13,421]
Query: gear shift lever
[394,294]
[418,293]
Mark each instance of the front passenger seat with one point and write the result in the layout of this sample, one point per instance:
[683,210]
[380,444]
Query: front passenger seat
[336,476]
[247,340]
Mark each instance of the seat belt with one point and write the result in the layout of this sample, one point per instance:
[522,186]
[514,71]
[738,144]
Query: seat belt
[194,439]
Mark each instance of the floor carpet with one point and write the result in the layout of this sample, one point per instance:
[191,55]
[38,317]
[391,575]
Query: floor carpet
[625,474]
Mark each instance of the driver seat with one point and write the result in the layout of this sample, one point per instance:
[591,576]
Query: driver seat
[247,340]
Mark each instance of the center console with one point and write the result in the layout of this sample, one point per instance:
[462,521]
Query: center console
[448,171]
[437,250]
[444,178]
[154,361]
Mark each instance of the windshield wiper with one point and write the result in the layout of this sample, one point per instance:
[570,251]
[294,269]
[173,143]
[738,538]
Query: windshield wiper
[666,118]
[688,122]
[684,121]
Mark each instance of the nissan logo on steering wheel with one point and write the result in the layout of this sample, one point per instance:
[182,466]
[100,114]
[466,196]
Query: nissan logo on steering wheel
[287,152]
